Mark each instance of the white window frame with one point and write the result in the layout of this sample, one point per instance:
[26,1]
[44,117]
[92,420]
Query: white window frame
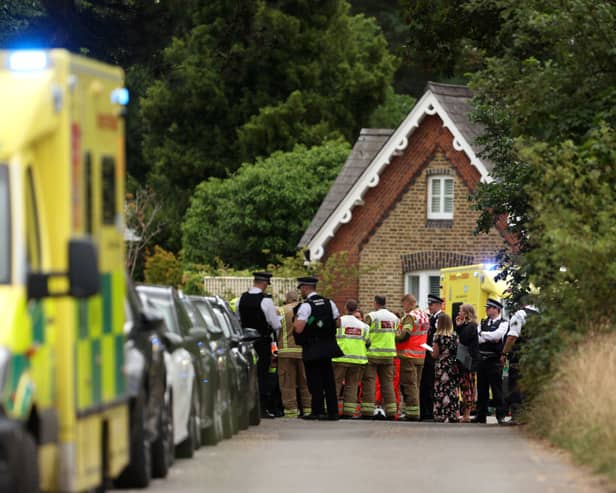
[424,285]
[441,214]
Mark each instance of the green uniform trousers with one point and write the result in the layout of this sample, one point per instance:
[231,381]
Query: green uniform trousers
[349,375]
[384,368]
[410,379]
[291,378]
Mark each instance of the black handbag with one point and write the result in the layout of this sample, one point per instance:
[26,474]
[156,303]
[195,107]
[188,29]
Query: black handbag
[464,358]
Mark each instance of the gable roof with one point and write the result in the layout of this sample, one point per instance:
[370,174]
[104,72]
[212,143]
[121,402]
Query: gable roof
[370,141]
[375,149]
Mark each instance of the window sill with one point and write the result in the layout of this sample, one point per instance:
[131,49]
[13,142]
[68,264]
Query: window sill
[439,223]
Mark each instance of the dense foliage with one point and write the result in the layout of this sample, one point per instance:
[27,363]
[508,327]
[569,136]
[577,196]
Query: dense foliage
[247,81]
[261,211]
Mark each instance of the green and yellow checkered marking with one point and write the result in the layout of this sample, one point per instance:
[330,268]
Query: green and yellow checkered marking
[100,344]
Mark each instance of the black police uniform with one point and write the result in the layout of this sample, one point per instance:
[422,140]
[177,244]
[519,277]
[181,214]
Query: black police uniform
[318,341]
[489,374]
[426,386]
[252,316]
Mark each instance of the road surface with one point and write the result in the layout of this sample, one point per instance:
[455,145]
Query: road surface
[296,456]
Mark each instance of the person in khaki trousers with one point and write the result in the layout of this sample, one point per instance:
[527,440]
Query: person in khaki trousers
[291,372]
[352,337]
[412,333]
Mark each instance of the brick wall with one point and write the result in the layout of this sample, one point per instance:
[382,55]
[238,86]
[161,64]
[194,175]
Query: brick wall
[390,233]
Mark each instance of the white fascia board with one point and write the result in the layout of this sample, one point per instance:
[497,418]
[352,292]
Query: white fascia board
[397,143]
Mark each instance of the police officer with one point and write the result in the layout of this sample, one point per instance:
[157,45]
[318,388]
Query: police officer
[511,350]
[291,372]
[426,390]
[381,354]
[257,310]
[315,326]
[489,373]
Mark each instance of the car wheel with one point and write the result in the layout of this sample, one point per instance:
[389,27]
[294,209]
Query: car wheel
[138,472]
[213,434]
[22,465]
[186,449]
[161,458]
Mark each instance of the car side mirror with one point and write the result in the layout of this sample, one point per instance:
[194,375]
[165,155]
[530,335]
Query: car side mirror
[151,323]
[198,333]
[250,335]
[172,340]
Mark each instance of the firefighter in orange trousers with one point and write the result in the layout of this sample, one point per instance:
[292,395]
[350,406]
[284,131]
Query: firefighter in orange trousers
[411,334]
[291,372]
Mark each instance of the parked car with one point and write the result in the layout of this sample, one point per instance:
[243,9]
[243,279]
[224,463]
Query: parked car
[201,421]
[232,373]
[151,415]
[242,339]
[202,316]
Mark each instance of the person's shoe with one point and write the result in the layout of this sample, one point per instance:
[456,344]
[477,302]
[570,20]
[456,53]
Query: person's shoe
[428,419]
[478,420]
[379,417]
[411,418]
[390,418]
[312,417]
[365,416]
[329,417]
[347,416]
[267,415]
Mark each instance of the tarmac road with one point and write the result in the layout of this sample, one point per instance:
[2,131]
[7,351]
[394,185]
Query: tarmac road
[295,456]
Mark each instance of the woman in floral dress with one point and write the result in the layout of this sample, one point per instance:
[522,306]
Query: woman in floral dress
[445,345]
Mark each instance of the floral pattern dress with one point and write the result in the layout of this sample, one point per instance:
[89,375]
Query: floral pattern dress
[446,375]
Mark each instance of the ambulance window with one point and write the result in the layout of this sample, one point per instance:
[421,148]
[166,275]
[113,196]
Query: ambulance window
[109,190]
[5,226]
[89,195]
[33,232]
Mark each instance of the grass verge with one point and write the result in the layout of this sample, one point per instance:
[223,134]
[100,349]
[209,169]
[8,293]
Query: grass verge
[577,411]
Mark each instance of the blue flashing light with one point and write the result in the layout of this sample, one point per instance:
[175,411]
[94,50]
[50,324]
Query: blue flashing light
[28,60]
[120,96]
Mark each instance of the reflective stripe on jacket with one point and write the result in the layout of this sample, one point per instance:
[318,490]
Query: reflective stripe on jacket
[416,324]
[286,342]
[383,324]
[351,337]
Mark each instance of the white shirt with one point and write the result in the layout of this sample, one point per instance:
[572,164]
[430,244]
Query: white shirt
[269,309]
[352,321]
[305,309]
[516,323]
[495,335]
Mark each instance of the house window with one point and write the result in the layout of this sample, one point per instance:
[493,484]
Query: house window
[440,197]
[422,283]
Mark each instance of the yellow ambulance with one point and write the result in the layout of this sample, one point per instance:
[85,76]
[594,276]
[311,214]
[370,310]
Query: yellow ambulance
[63,403]
[472,284]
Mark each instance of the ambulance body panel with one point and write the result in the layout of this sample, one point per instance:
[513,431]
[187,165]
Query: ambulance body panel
[61,189]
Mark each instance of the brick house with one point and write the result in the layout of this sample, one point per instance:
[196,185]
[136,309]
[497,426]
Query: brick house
[400,206]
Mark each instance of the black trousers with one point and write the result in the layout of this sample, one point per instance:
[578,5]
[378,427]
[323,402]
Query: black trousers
[263,349]
[490,376]
[513,400]
[426,389]
[321,384]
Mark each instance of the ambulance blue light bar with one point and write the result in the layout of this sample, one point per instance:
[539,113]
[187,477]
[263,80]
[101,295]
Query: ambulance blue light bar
[120,96]
[28,61]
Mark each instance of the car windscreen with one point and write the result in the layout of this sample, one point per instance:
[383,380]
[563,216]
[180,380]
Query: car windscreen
[210,319]
[164,306]
[5,226]
[222,321]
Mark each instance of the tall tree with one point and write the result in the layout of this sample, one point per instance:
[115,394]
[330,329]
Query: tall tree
[260,213]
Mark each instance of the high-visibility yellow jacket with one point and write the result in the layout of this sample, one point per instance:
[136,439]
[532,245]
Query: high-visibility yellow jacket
[351,337]
[383,324]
